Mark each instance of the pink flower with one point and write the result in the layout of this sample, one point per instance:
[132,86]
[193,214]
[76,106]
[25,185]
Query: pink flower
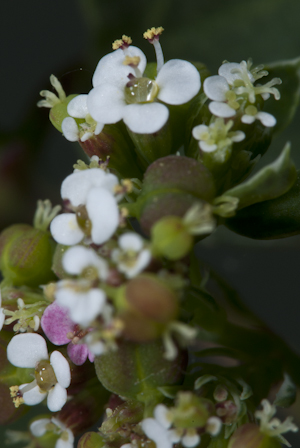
[60,330]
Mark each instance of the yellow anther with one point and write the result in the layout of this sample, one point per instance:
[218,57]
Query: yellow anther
[128,185]
[119,43]
[251,110]
[132,60]
[153,33]
[124,212]
[14,391]
[18,401]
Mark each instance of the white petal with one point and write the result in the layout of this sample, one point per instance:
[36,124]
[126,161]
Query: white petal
[238,136]
[225,70]
[266,119]
[78,258]
[87,307]
[190,441]
[248,119]
[57,397]
[206,147]
[131,241]
[99,128]
[2,318]
[175,435]
[76,186]
[161,415]
[38,427]
[106,103]
[61,368]
[61,443]
[70,129]
[103,212]
[67,297]
[86,136]
[221,109]
[65,230]
[215,87]
[146,118]
[33,396]
[178,81]
[198,131]
[157,433]
[111,70]
[77,107]
[25,350]
[142,261]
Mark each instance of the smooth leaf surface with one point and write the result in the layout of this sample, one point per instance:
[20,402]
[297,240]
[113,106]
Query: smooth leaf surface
[270,182]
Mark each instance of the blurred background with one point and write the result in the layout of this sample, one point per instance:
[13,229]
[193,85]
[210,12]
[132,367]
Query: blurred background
[67,38]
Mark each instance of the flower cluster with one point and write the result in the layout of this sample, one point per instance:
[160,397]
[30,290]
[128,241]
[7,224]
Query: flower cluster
[104,301]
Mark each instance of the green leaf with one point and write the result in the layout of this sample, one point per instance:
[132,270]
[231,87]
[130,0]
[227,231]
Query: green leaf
[270,182]
[277,218]
[284,109]
[286,395]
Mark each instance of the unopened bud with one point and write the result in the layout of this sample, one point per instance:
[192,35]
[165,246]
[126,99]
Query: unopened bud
[170,238]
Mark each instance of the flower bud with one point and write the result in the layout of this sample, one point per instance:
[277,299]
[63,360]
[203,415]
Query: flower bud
[26,255]
[91,440]
[146,305]
[249,436]
[171,186]
[170,238]
[59,112]
[190,411]
[137,370]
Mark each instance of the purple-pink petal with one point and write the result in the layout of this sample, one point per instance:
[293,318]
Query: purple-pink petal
[78,353]
[56,324]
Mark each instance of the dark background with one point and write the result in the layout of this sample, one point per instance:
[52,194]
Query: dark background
[68,37]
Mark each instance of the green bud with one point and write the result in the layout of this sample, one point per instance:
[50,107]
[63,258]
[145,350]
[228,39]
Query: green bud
[128,413]
[190,411]
[249,436]
[26,255]
[91,440]
[170,238]
[146,305]
[171,186]
[59,112]
[136,370]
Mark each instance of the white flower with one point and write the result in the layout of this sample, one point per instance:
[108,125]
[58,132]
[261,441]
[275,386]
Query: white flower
[121,92]
[158,430]
[93,189]
[131,258]
[77,108]
[253,114]
[84,304]
[273,426]
[234,86]
[216,136]
[39,427]
[52,378]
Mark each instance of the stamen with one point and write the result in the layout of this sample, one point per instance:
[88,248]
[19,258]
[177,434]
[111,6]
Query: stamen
[133,61]
[152,35]
[122,43]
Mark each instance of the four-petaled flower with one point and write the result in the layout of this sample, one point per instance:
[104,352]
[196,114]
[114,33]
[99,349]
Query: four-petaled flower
[132,257]
[52,377]
[39,428]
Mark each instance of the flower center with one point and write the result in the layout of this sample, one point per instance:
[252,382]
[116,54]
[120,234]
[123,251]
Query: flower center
[45,376]
[83,220]
[140,90]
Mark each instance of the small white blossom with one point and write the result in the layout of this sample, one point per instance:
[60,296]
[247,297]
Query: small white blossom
[39,427]
[252,114]
[158,430]
[122,93]
[28,350]
[132,258]
[84,303]
[217,137]
[77,108]
[93,189]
